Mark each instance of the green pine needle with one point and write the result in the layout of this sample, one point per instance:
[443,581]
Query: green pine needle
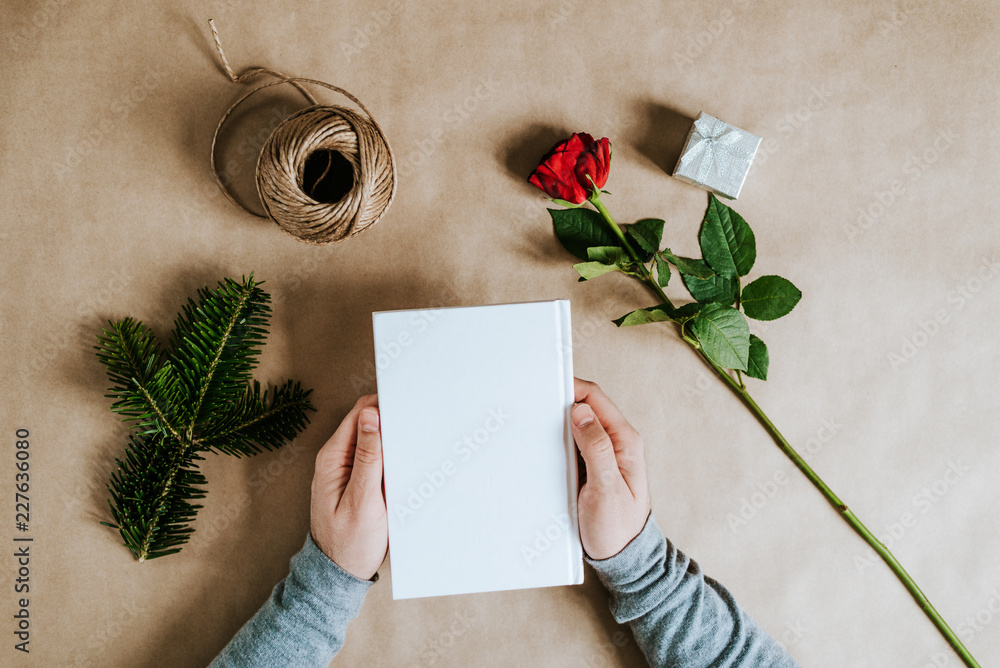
[197,397]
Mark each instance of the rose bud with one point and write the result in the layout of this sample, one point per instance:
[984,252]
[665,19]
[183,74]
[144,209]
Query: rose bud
[566,171]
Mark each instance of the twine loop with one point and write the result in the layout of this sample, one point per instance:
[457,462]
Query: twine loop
[345,155]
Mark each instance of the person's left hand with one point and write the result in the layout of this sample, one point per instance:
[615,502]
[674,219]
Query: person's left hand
[347,514]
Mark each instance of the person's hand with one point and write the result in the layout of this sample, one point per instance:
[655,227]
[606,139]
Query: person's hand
[347,515]
[614,501]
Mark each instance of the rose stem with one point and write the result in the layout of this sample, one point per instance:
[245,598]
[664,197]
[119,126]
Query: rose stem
[790,452]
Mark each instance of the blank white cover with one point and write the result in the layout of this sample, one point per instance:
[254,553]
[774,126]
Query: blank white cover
[480,465]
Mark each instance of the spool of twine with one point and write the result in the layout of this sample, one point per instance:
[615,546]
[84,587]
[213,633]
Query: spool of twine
[325,173]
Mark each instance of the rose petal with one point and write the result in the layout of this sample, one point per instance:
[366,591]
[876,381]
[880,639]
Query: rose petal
[603,159]
[558,173]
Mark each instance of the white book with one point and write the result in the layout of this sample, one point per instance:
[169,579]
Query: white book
[480,465]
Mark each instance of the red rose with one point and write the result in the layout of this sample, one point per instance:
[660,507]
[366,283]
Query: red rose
[564,170]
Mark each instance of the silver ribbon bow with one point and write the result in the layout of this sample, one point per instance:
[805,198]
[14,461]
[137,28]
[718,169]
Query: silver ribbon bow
[715,145]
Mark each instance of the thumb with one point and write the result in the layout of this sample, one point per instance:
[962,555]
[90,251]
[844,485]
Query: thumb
[366,474]
[595,446]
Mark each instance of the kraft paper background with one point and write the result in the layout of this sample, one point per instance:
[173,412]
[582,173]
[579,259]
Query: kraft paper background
[874,191]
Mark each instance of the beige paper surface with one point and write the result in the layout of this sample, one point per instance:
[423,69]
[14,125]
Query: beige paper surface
[886,109]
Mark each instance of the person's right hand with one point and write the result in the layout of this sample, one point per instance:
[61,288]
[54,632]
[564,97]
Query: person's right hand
[614,501]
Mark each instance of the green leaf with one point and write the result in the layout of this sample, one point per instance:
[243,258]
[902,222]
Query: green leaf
[758,360]
[647,234]
[579,229]
[688,266]
[687,311]
[604,259]
[713,289]
[769,298]
[727,242]
[662,272]
[606,254]
[643,316]
[724,336]
[589,270]
[661,313]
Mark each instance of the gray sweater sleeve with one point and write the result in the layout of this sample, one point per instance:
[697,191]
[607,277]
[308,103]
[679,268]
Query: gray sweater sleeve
[303,623]
[678,616]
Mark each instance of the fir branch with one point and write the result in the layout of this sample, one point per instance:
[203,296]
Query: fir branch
[129,350]
[254,424]
[215,344]
[133,360]
[196,398]
[151,493]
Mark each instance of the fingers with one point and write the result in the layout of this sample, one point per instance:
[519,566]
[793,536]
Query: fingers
[338,449]
[347,510]
[609,415]
[366,475]
[595,446]
[625,440]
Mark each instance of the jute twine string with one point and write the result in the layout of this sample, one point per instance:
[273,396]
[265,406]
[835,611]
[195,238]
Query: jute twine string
[317,128]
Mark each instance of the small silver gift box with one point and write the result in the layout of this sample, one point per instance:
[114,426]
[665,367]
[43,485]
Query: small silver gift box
[717,156]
